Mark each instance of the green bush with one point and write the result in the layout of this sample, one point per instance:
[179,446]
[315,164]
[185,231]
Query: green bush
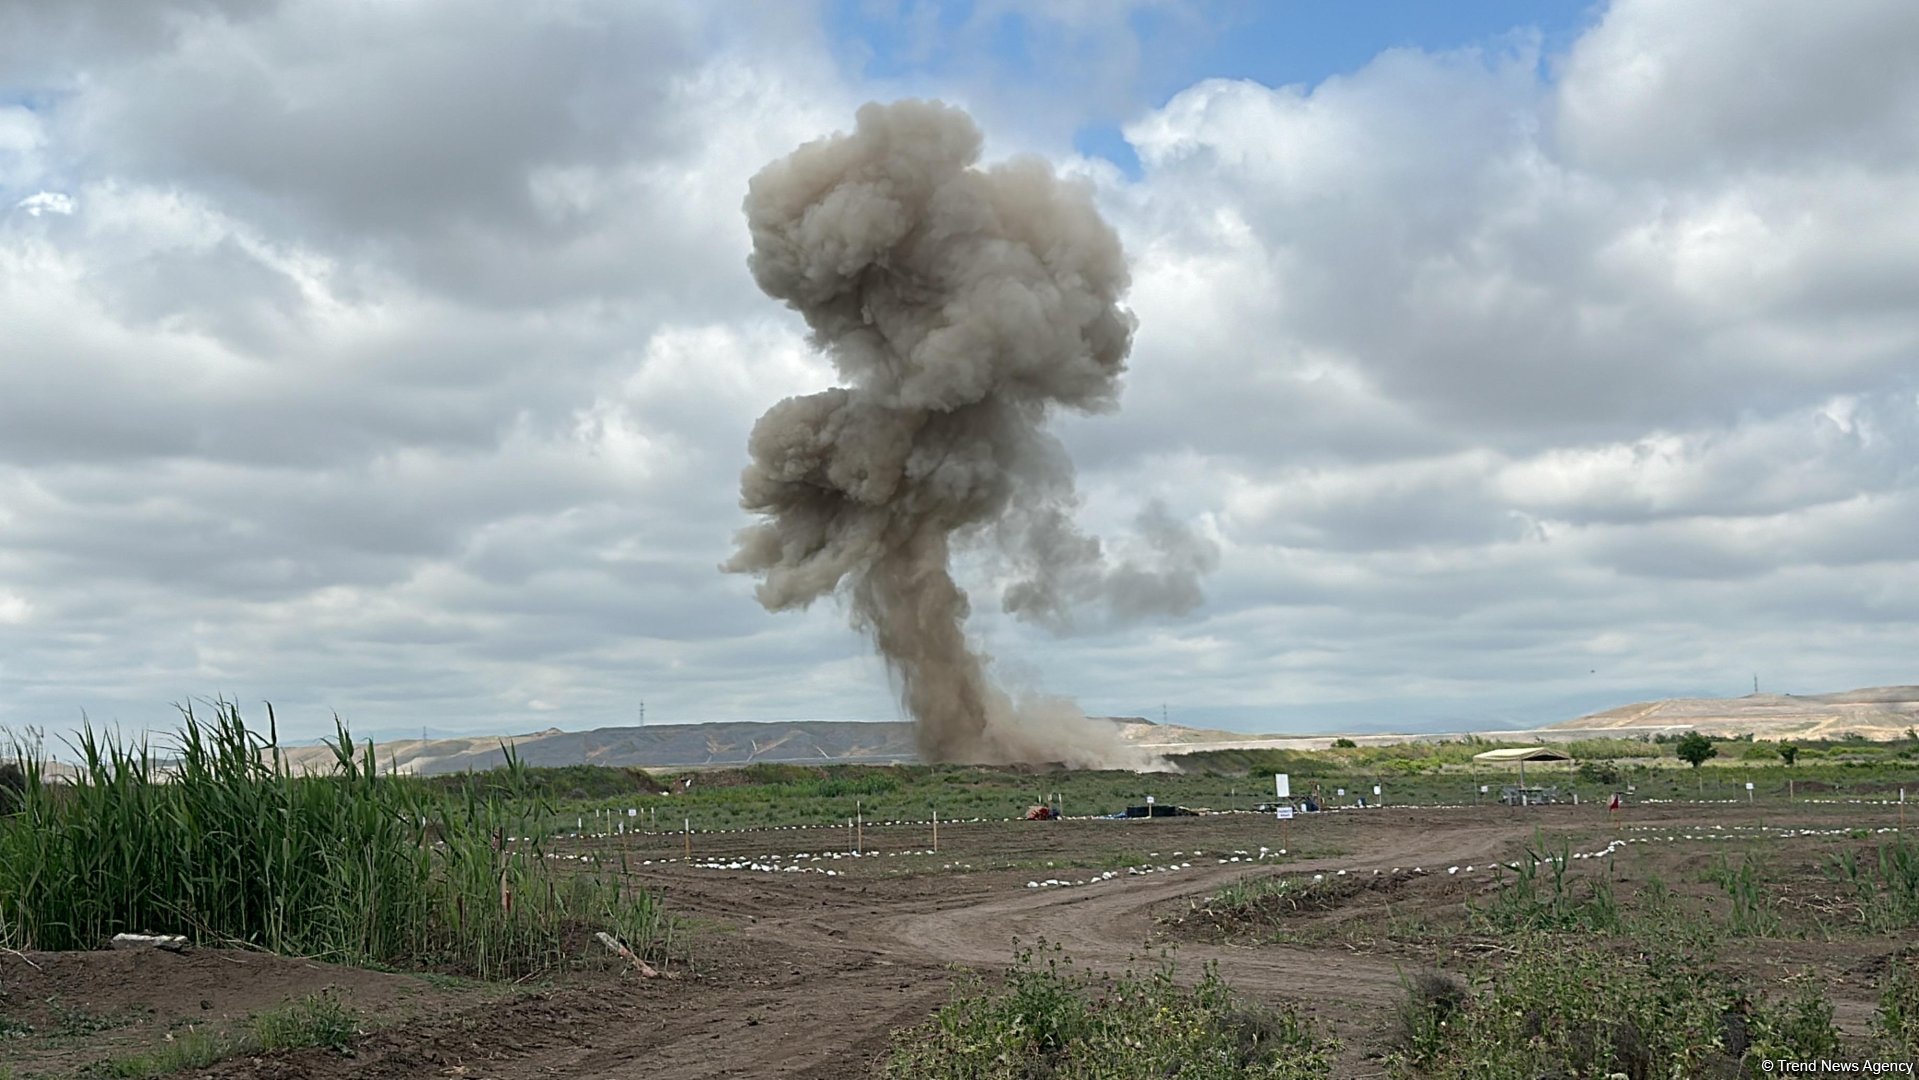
[1895,1026]
[1602,773]
[1885,884]
[1752,911]
[1561,1009]
[1050,1022]
[1528,900]
[316,1020]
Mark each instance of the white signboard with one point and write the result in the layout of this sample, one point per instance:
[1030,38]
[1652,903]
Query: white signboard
[1483,789]
[1282,785]
[1285,813]
[1748,785]
[1342,793]
[1375,789]
[632,812]
[1149,800]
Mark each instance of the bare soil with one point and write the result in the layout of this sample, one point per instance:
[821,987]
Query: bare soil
[804,974]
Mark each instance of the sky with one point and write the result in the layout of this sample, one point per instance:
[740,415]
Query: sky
[396,360]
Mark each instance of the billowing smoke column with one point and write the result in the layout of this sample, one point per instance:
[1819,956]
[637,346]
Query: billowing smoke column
[960,305]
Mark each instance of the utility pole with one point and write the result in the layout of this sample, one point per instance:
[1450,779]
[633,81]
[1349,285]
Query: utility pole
[1755,682]
[642,713]
[1162,714]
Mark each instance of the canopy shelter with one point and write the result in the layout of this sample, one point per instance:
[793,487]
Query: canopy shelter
[1521,755]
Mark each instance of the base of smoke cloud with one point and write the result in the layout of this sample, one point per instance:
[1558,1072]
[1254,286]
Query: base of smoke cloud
[1044,729]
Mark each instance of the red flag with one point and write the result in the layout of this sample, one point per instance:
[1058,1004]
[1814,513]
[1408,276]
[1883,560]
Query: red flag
[1614,804]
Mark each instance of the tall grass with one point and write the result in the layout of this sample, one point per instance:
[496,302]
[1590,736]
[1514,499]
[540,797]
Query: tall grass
[1886,884]
[1531,901]
[224,845]
[1753,911]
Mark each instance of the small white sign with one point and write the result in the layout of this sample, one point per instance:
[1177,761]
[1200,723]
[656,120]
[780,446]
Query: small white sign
[1748,785]
[1149,800]
[1285,813]
[1282,785]
[632,812]
[1342,793]
[1375,789]
[1483,789]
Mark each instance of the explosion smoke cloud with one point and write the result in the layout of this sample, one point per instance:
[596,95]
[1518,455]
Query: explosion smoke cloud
[960,305]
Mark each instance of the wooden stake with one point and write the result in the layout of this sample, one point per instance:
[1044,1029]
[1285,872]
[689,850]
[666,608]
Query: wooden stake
[936,830]
[688,832]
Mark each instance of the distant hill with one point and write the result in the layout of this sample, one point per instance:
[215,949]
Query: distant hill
[666,746]
[1880,712]
[658,746]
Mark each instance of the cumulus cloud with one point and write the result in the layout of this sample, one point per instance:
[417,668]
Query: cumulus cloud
[393,359]
[46,202]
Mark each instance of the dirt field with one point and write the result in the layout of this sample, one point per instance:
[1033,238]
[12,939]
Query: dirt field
[805,973]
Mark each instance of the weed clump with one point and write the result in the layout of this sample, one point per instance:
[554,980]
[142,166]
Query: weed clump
[1051,1021]
[1534,901]
[1895,1026]
[1432,999]
[1885,884]
[1559,1009]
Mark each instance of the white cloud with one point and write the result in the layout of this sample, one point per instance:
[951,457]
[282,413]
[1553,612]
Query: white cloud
[46,202]
[1676,90]
[402,358]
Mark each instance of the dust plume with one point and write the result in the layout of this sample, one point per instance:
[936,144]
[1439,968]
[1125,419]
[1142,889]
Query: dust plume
[960,305]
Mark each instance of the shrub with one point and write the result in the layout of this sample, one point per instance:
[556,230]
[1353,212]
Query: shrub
[1886,884]
[1559,1009]
[316,1020]
[1529,901]
[1433,998]
[1895,1026]
[1050,1021]
[1753,912]
[1603,773]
